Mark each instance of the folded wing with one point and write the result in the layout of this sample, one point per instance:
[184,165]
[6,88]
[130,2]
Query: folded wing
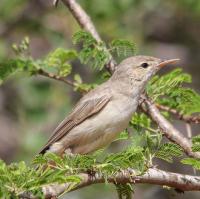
[83,110]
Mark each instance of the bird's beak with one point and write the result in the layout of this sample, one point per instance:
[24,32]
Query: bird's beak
[165,62]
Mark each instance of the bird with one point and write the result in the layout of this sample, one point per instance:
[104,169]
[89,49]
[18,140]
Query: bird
[104,112]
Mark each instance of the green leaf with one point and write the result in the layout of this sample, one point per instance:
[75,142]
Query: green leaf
[140,120]
[168,90]
[132,157]
[123,47]
[166,84]
[9,67]
[83,36]
[196,143]
[58,61]
[82,87]
[92,52]
[192,162]
[169,150]
[123,136]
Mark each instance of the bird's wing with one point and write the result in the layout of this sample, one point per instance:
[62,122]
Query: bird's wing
[81,112]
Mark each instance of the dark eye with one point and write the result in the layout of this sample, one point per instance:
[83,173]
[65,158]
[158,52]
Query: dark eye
[144,65]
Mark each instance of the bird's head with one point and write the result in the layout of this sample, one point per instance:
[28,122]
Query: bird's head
[141,68]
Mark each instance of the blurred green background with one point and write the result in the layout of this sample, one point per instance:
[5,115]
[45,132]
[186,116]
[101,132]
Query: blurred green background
[30,108]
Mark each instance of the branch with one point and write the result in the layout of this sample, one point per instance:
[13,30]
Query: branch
[186,118]
[152,176]
[82,18]
[167,128]
[62,79]
[55,77]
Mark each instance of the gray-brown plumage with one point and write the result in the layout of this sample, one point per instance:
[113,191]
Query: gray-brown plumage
[105,111]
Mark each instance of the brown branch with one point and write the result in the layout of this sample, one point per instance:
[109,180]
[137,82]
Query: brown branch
[62,79]
[82,18]
[152,176]
[180,116]
[167,128]
[55,77]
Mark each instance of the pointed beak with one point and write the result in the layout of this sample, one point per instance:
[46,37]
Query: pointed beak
[166,62]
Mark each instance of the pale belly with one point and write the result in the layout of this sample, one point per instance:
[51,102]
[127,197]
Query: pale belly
[101,129]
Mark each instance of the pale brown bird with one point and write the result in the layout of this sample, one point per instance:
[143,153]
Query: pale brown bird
[105,111]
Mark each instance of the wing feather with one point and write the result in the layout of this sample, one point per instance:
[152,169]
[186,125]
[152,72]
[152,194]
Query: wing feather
[81,112]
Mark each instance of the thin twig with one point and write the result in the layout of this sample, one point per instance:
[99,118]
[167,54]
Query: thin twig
[180,116]
[82,18]
[55,77]
[62,79]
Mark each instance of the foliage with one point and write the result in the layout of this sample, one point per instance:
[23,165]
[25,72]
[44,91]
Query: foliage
[195,163]
[123,47]
[166,84]
[18,178]
[169,150]
[9,67]
[192,162]
[168,90]
[59,60]
[92,50]
[97,53]
[152,140]
[80,86]
[196,143]
[132,157]
[55,63]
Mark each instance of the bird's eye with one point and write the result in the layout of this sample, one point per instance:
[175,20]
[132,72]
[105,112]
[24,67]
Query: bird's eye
[144,65]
